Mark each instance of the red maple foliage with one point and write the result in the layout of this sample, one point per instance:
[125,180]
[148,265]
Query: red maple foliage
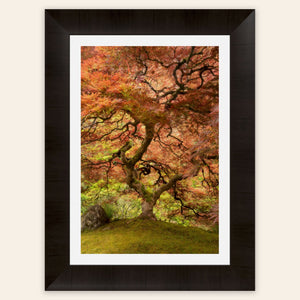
[149,117]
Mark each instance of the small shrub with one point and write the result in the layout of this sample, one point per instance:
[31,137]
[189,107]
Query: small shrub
[109,210]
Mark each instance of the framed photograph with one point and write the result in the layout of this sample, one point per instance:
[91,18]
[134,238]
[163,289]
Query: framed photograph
[150,149]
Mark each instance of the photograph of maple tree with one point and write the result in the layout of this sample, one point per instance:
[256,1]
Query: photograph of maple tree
[149,149]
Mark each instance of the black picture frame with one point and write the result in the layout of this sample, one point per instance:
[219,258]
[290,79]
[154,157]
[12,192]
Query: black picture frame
[240,25]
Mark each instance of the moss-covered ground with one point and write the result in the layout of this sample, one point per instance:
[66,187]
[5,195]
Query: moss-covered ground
[147,236]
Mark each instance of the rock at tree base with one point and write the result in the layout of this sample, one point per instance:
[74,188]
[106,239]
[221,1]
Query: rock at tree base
[93,218]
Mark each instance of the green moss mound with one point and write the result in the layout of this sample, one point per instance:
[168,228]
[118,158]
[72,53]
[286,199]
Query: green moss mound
[138,236]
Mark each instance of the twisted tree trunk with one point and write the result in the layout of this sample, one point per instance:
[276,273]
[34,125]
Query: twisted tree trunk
[149,197]
[147,210]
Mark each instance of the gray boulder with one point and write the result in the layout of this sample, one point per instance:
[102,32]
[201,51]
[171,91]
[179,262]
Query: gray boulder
[93,218]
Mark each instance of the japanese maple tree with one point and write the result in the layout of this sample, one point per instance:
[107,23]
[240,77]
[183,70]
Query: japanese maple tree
[149,117]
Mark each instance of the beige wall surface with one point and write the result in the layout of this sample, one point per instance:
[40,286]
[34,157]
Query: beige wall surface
[22,149]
